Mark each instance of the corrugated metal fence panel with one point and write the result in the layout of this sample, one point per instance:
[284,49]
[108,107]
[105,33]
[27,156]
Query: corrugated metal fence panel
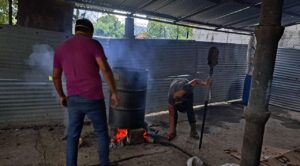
[162,58]
[26,95]
[16,45]
[285,91]
[228,75]
[33,100]
[28,102]
[169,59]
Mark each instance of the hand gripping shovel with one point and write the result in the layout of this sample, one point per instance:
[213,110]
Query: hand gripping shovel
[212,59]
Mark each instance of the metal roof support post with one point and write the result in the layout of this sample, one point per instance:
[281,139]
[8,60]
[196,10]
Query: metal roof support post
[268,33]
[10,12]
[129,28]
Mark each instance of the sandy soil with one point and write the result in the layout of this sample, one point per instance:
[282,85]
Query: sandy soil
[42,145]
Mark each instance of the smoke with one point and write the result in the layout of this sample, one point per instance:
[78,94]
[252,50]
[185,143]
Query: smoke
[41,66]
[130,54]
[135,54]
[40,62]
[136,57]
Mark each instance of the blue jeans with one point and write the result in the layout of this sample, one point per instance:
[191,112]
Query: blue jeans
[78,107]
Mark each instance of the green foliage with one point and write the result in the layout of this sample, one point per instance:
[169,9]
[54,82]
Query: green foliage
[159,30]
[109,26]
[4,18]
[3,11]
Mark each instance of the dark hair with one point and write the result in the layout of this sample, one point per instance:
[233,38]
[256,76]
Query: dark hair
[84,25]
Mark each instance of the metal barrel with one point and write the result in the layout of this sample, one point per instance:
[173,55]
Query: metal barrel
[131,86]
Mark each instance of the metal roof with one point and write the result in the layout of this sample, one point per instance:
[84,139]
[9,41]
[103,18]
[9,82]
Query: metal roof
[239,15]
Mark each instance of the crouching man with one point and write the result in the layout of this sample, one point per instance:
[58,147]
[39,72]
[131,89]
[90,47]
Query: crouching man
[181,99]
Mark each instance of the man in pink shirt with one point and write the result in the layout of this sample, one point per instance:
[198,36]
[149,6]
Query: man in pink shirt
[80,58]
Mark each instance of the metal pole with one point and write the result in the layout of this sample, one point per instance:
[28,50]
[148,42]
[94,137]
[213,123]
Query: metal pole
[129,28]
[211,71]
[10,11]
[212,61]
[268,33]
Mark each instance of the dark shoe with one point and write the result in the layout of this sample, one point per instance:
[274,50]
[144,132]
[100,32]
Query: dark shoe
[193,132]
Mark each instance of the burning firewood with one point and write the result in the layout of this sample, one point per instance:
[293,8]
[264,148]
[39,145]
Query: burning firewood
[124,137]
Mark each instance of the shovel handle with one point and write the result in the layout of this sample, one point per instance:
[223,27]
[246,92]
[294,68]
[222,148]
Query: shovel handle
[211,71]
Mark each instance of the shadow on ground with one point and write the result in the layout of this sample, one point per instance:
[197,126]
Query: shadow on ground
[218,116]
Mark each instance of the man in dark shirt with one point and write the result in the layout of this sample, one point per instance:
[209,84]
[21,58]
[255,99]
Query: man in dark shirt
[181,99]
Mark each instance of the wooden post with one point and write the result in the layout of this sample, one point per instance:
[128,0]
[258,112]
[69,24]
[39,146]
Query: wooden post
[268,33]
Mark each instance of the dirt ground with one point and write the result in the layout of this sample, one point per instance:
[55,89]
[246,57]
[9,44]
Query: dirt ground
[42,145]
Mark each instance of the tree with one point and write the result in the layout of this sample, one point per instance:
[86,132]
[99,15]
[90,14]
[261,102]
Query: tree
[109,26]
[168,31]
[3,11]
[4,17]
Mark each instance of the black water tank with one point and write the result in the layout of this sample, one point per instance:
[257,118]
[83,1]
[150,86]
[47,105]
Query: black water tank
[131,87]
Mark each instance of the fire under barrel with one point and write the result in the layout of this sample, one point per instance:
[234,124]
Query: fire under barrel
[131,87]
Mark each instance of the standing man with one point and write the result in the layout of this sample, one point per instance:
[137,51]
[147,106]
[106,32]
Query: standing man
[80,58]
[181,98]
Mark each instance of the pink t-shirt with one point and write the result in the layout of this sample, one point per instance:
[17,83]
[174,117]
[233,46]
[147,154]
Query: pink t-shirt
[77,58]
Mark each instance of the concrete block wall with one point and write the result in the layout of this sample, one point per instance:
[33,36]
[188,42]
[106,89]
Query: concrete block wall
[290,37]
[220,37]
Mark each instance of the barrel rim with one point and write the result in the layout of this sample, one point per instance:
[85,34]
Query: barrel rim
[130,69]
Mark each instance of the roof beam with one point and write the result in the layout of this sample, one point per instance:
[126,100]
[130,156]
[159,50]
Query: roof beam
[168,3]
[291,24]
[171,20]
[216,26]
[197,12]
[183,19]
[217,3]
[122,2]
[145,5]
[243,32]
[259,6]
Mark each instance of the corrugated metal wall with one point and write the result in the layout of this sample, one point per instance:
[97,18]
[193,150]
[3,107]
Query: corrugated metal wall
[33,100]
[26,94]
[285,91]
[169,59]
[228,74]
[16,45]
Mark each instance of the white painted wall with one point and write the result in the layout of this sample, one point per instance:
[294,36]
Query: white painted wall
[290,38]
[220,37]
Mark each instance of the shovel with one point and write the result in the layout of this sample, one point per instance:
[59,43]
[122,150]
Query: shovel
[212,58]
